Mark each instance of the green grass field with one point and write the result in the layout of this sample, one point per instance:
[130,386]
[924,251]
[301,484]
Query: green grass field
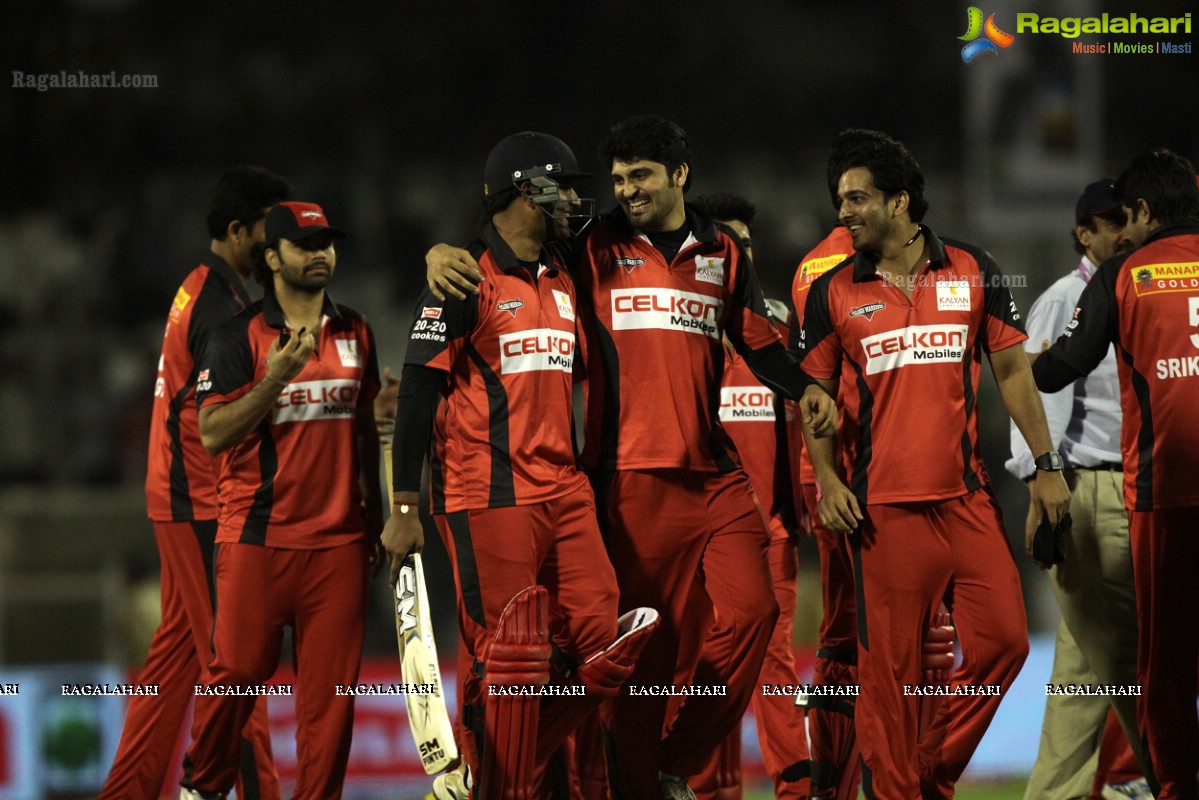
[965,791]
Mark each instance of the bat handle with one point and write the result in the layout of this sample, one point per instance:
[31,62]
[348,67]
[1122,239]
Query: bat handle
[387,472]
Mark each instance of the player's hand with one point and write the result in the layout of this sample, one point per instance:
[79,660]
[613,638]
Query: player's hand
[403,534]
[1050,496]
[285,362]
[819,411]
[451,271]
[385,407]
[838,508]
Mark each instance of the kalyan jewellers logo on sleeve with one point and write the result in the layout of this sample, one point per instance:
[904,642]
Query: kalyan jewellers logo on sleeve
[989,38]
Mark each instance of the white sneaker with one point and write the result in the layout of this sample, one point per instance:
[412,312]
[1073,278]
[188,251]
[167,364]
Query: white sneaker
[674,788]
[1136,790]
[453,785]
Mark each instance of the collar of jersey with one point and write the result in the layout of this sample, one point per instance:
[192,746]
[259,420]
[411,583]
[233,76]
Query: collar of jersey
[273,314]
[702,228]
[503,256]
[221,267]
[1172,229]
[865,267]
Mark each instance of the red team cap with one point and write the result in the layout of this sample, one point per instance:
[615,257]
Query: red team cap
[295,221]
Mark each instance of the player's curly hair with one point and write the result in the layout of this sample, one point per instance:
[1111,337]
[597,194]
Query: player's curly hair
[892,166]
[647,137]
[846,141]
[242,194]
[724,206]
[1164,180]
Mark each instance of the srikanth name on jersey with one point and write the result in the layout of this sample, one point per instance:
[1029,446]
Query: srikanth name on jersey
[666,309]
[915,344]
[1168,368]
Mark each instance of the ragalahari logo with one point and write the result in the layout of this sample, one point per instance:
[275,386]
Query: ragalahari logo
[993,37]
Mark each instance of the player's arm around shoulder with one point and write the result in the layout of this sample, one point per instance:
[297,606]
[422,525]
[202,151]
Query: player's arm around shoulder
[451,272]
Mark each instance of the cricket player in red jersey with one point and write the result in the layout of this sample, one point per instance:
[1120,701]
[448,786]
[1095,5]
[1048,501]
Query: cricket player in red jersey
[752,416]
[487,392]
[835,762]
[182,505]
[1147,303]
[665,284]
[904,325]
[661,284]
[285,392]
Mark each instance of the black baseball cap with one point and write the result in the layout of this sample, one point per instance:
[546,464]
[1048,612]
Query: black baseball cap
[1097,198]
[524,150]
[295,221]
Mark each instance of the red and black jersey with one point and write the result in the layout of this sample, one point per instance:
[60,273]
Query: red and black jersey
[753,417]
[909,369]
[1147,303]
[832,250]
[180,475]
[656,328]
[503,431]
[293,482]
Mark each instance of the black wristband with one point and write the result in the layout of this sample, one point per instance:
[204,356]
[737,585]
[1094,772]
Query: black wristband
[1049,462]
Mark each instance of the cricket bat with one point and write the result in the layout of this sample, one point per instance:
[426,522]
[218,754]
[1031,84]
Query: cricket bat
[425,696]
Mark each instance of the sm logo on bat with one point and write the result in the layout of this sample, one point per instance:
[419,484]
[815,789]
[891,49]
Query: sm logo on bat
[431,751]
[406,602]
